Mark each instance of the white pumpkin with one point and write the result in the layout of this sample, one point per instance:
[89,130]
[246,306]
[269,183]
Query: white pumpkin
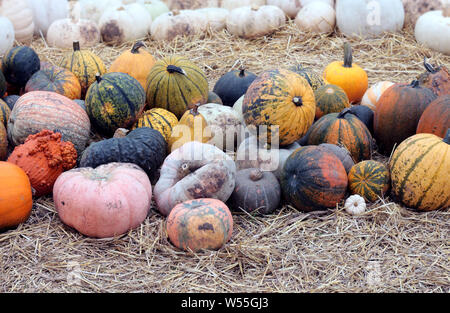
[192,4]
[6,35]
[94,9]
[292,7]
[254,21]
[374,93]
[317,17]
[21,16]
[45,12]
[433,30]
[238,108]
[216,17]
[233,4]
[355,205]
[154,7]
[178,23]
[62,33]
[416,8]
[369,18]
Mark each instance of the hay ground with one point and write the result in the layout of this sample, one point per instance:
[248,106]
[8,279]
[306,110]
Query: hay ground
[388,249]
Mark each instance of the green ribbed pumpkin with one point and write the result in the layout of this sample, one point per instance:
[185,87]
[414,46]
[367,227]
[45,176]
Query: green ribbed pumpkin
[330,99]
[176,84]
[4,113]
[160,120]
[314,80]
[114,100]
[369,179]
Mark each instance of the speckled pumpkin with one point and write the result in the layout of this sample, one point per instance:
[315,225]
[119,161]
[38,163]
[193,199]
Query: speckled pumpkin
[19,64]
[330,99]
[176,84]
[280,98]
[369,179]
[437,78]
[3,143]
[314,80]
[436,117]
[200,224]
[4,113]
[160,120]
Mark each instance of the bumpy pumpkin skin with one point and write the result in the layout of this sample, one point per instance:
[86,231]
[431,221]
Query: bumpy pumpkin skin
[436,117]
[436,78]
[200,224]
[313,179]
[280,98]
[314,80]
[3,143]
[330,99]
[369,179]
[5,112]
[176,84]
[19,64]
[420,168]
[160,120]
[231,86]
[16,199]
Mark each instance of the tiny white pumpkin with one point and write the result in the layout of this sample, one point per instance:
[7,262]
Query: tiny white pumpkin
[64,32]
[355,205]
[178,23]
[374,93]
[21,16]
[317,17]
[6,35]
[433,30]
[45,12]
[216,17]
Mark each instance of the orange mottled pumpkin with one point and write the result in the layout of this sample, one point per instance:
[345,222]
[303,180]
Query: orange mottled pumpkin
[436,117]
[200,224]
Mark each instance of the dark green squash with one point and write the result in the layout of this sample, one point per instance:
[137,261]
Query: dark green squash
[2,84]
[231,86]
[19,64]
[365,115]
[214,98]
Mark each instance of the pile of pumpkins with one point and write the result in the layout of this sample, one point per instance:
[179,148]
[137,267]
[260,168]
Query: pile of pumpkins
[286,134]
[115,22]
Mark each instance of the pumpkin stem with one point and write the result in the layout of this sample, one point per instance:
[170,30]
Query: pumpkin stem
[76,46]
[194,109]
[415,84]
[447,137]
[348,57]
[175,69]
[344,112]
[297,101]
[256,174]
[136,46]
[98,78]
[242,72]
[430,68]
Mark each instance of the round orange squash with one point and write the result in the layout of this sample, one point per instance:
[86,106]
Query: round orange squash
[436,117]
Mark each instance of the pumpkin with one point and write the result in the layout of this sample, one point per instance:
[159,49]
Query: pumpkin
[347,75]
[313,179]
[93,9]
[342,153]
[369,179]
[169,25]
[44,157]
[7,35]
[280,97]
[373,94]
[193,4]
[255,21]
[415,9]
[391,124]
[238,108]
[256,191]
[369,18]
[314,80]
[436,117]
[143,146]
[4,113]
[214,98]
[233,4]
[45,12]
[176,84]
[84,64]
[216,18]
[11,100]
[355,205]
[38,110]
[3,142]
[63,32]
[330,99]
[21,16]
[137,63]
[365,115]
[195,170]
[16,199]
[436,77]
[432,27]
[343,129]
[103,202]
[155,7]
[233,85]
[292,7]
[200,224]
[19,64]
[56,79]
[160,120]
[2,84]
[316,17]
[420,168]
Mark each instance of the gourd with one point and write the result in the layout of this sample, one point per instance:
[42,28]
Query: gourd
[316,17]
[4,113]
[195,170]
[154,7]
[6,36]
[342,153]
[93,9]
[365,115]
[160,120]
[21,16]
[233,4]
[19,64]
[214,98]
[192,4]
[433,28]
[216,18]
[415,9]
[45,12]
[314,80]
[63,33]
[435,77]
[168,26]
[232,85]
[369,179]
[292,7]
[420,168]
[330,99]
[16,199]
[436,117]
[102,202]
[355,205]
[373,94]
[3,142]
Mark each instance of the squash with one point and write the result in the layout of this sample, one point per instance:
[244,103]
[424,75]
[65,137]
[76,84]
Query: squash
[143,146]
[115,100]
[56,79]
[154,7]
[436,117]
[176,84]
[365,115]
[21,16]
[200,224]
[16,199]
[256,191]
[39,110]
[347,75]
[391,124]
[232,85]
[432,27]
[160,120]
[84,64]
[233,4]
[137,63]
[63,32]
[5,112]
[195,170]
[6,36]
[44,157]
[314,80]
[313,179]
[316,17]
[45,12]
[93,9]
[330,99]
[415,9]
[216,18]
[342,153]
[11,100]
[373,94]
[280,98]
[292,7]
[343,129]
[420,168]
[238,108]
[102,202]
[355,205]
[168,26]
[2,84]
[3,142]
[436,77]
[19,64]
[214,98]
[369,179]
[194,4]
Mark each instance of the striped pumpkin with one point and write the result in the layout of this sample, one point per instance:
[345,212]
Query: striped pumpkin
[4,113]
[369,179]
[420,169]
[19,64]
[314,80]
[114,100]
[160,120]
[374,93]
[343,129]
[436,117]
[280,98]
[56,79]
[84,64]
[330,99]
[3,142]
[176,84]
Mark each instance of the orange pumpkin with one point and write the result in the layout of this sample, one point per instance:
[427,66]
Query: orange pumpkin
[16,199]
[348,75]
[436,117]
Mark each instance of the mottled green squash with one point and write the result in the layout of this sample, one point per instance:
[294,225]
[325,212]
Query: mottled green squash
[19,64]
[330,99]
[160,120]
[314,80]
[369,179]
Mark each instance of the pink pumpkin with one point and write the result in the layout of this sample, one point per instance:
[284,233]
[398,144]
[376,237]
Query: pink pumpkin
[103,202]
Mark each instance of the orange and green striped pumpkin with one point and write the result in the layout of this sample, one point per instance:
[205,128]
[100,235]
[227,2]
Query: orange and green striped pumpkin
[420,171]
[314,80]
[5,111]
[160,120]
[369,179]
[330,99]
[176,84]
[280,98]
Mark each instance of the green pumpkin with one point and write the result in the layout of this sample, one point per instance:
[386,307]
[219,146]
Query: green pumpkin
[19,64]
[314,80]
[330,99]
[369,179]
[114,100]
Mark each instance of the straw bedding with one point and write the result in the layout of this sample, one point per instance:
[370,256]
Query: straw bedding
[388,249]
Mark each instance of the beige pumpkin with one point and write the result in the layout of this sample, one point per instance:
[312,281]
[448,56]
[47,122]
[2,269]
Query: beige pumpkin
[233,4]
[416,8]
[216,17]
[93,9]
[45,12]
[374,93]
[178,23]
[433,30]
[64,32]
[317,17]
[6,35]
[21,16]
